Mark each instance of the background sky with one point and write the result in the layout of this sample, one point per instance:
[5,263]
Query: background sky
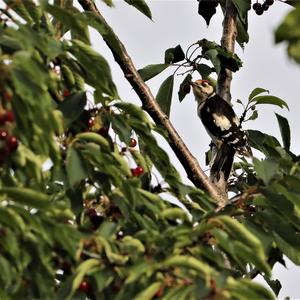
[265,65]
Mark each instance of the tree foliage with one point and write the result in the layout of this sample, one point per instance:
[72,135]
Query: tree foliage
[85,187]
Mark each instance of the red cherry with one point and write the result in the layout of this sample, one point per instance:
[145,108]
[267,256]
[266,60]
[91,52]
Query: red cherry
[91,122]
[132,142]
[3,134]
[9,116]
[140,170]
[66,93]
[12,143]
[84,286]
[137,171]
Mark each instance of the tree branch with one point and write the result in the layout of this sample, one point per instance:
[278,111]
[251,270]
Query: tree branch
[228,41]
[188,161]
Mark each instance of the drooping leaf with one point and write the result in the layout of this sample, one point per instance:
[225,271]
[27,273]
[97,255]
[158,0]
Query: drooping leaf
[174,55]
[71,18]
[185,87]
[72,107]
[284,130]
[97,70]
[142,6]
[204,70]
[164,95]
[242,6]
[75,167]
[214,52]
[207,8]
[150,71]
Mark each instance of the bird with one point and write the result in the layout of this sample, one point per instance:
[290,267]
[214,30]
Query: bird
[222,125]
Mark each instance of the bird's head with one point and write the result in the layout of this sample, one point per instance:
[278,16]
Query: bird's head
[202,90]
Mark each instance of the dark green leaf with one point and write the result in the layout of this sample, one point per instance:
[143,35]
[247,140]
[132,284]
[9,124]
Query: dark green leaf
[75,167]
[142,6]
[204,70]
[185,87]
[284,130]
[207,8]
[174,55]
[150,71]
[220,56]
[254,115]
[72,107]
[164,95]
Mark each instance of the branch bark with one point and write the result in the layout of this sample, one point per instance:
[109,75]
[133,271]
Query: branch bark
[188,161]
[228,41]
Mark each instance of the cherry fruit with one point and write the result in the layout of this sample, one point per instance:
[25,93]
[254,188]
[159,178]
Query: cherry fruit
[132,142]
[84,286]
[138,171]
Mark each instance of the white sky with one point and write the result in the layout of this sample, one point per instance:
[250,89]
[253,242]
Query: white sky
[265,65]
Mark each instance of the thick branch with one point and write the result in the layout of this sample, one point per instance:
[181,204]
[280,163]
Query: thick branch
[188,161]
[227,41]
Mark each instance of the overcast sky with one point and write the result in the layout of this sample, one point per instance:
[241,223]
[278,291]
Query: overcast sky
[265,65]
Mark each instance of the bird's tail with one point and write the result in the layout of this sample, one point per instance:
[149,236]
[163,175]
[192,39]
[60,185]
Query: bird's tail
[222,163]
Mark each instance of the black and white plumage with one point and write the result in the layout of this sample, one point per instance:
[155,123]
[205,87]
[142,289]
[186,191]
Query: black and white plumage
[223,126]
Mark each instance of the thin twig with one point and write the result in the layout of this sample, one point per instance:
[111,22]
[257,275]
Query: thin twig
[188,161]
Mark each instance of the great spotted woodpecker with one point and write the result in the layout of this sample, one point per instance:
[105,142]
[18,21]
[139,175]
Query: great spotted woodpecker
[221,123]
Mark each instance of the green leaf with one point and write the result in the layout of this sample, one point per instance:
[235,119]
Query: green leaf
[97,70]
[190,262]
[204,70]
[185,87]
[289,28]
[246,237]
[174,55]
[220,56]
[256,92]
[254,115]
[150,71]
[75,167]
[72,107]
[149,292]
[289,250]
[245,289]
[266,169]
[269,100]
[164,95]
[212,55]
[142,6]
[284,130]
[27,196]
[83,269]
[72,19]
